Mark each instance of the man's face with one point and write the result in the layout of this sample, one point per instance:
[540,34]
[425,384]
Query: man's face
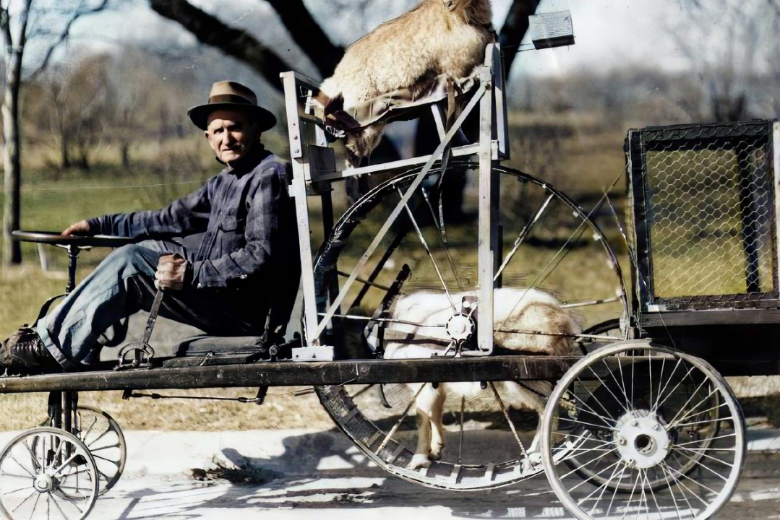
[230,135]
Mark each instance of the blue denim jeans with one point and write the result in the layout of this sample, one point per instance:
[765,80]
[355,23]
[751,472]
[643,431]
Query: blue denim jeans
[94,313]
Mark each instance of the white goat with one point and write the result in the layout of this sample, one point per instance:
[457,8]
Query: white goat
[537,311]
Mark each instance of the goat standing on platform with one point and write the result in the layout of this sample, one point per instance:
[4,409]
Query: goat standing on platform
[436,37]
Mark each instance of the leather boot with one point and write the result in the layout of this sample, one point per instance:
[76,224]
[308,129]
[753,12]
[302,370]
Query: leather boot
[24,352]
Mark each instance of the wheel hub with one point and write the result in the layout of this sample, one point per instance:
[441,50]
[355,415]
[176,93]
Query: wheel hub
[642,439]
[43,483]
[460,327]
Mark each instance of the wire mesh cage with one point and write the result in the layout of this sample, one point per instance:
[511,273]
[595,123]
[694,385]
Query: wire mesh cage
[703,216]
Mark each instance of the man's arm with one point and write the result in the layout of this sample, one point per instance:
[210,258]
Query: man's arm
[262,235]
[184,216]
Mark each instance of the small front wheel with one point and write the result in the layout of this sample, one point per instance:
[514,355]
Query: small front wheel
[47,473]
[645,431]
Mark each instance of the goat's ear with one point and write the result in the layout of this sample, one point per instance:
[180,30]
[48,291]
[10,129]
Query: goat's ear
[450,4]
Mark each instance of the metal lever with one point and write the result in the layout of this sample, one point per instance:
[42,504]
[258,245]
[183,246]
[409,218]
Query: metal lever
[143,353]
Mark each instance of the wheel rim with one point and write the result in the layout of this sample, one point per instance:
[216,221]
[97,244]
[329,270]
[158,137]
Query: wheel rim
[648,443]
[388,436]
[37,466]
[103,437]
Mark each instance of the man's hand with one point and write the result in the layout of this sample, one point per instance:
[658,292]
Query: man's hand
[79,228]
[171,270]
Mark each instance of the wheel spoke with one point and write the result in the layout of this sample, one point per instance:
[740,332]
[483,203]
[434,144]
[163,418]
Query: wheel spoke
[605,419]
[669,479]
[623,388]
[20,464]
[595,459]
[680,481]
[86,434]
[35,505]
[17,490]
[460,442]
[587,424]
[384,320]
[20,504]
[509,421]
[706,467]
[591,410]
[692,412]
[603,488]
[674,389]
[677,445]
[707,421]
[110,446]
[615,490]
[703,411]
[524,233]
[688,401]
[628,503]
[660,392]
[395,427]
[427,249]
[608,389]
[440,229]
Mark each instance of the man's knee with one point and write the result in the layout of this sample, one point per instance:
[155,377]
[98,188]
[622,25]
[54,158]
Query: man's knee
[132,259]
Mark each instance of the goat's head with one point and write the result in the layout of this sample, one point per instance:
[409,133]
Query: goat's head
[471,11]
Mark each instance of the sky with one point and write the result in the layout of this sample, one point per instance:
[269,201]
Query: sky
[609,33]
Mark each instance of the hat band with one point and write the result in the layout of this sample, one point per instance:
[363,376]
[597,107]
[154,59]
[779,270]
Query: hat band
[229,98]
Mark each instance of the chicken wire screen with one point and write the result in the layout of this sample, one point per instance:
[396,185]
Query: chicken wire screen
[704,210]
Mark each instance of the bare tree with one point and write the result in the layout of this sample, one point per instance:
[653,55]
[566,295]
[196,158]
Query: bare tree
[14,51]
[303,29]
[726,62]
[15,33]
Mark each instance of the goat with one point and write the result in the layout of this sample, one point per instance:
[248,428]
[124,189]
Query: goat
[537,311]
[436,37]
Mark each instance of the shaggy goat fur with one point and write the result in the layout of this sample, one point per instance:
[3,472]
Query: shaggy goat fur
[537,311]
[436,37]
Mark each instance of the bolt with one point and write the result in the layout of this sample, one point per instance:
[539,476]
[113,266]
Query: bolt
[634,423]
[667,446]
[630,462]
[622,441]
[656,427]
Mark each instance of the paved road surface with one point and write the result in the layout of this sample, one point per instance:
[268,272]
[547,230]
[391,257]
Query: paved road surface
[319,475]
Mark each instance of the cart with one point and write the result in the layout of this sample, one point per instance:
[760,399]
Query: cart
[638,422]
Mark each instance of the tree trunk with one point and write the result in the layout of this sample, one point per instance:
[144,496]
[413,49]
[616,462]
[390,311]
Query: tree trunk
[12,253]
[125,147]
[64,154]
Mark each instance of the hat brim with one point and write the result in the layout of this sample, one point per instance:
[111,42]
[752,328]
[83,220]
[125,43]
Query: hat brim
[199,115]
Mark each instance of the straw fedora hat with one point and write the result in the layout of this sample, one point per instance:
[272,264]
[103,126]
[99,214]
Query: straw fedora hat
[233,96]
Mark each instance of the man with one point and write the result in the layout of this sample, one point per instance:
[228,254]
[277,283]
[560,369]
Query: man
[242,280]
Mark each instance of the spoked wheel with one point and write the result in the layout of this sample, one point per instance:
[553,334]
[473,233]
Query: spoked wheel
[47,473]
[550,244]
[102,435]
[645,431]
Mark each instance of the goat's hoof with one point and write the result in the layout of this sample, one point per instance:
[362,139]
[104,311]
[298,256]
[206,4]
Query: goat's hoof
[436,452]
[419,461]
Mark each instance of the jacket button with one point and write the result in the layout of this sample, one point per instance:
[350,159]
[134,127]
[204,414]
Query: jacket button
[242,277]
[200,286]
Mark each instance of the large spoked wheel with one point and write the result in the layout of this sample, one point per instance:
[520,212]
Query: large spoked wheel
[645,430]
[488,430]
[47,473]
[102,435]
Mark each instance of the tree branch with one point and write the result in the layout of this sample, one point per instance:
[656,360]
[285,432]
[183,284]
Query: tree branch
[308,35]
[65,33]
[233,42]
[515,27]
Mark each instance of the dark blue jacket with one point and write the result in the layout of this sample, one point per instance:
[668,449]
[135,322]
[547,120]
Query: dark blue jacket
[251,236]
